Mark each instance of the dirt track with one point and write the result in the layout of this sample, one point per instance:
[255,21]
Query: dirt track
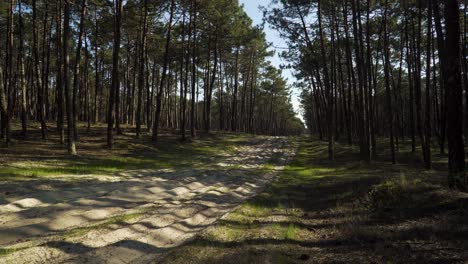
[131,217]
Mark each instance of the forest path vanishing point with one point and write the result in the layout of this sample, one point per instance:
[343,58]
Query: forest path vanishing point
[134,216]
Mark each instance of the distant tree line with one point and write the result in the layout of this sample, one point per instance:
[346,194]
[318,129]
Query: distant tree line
[385,68]
[187,65]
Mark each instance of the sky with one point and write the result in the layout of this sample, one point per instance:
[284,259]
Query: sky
[252,9]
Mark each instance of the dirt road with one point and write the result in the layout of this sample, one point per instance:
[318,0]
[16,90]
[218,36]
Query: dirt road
[134,216]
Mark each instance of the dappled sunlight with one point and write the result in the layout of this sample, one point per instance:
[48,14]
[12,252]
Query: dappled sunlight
[137,211]
[343,211]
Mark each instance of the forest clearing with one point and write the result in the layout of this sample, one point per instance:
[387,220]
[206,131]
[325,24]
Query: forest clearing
[233,131]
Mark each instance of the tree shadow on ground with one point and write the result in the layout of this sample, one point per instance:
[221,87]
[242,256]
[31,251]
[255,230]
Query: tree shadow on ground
[346,211]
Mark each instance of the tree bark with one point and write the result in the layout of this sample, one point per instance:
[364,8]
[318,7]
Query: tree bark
[454,105]
[141,74]
[66,78]
[76,68]
[37,71]
[115,84]
[163,75]
[387,85]
[194,70]
[427,121]
[330,123]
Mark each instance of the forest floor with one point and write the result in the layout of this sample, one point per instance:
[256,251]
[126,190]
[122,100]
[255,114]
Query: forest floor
[224,198]
[344,211]
[129,205]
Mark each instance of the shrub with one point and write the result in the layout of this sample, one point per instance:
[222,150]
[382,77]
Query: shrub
[393,193]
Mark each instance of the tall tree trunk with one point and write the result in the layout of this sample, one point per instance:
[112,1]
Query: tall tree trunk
[365,88]
[11,74]
[46,37]
[87,112]
[37,71]
[8,87]
[212,83]
[465,66]
[141,74]
[350,70]
[97,80]
[24,114]
[66,79]
[454,105]
[330,123]
[186,82]
[3,108]
[184,61]
[427,122]
[234,113]
[443,71]
[149,106]
[115,83]
[371,90]
[194,69]
[417,77]
[59,68]
[163,75]
[76,68]
[364,146]
[409,62]
[387,85]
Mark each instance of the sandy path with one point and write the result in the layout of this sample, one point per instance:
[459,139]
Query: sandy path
[167,207]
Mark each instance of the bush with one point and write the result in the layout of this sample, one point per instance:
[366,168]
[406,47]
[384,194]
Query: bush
[392,194]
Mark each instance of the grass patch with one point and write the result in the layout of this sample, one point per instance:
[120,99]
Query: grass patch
[398,192]
[288,232]
[33,159]
[255,208]
[116,220]
[326,209]
[8,251]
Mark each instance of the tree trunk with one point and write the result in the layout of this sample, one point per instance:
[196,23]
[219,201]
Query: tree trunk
[194,69]
[427,122]
[37,72]
[212,83]
[97,85]
[454,105]
[115,85]
[163,75]
[444,74]
[59,81]
[76,69]
[387,85]
[141,74]
[330,123]
[234,96]
[66,79]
